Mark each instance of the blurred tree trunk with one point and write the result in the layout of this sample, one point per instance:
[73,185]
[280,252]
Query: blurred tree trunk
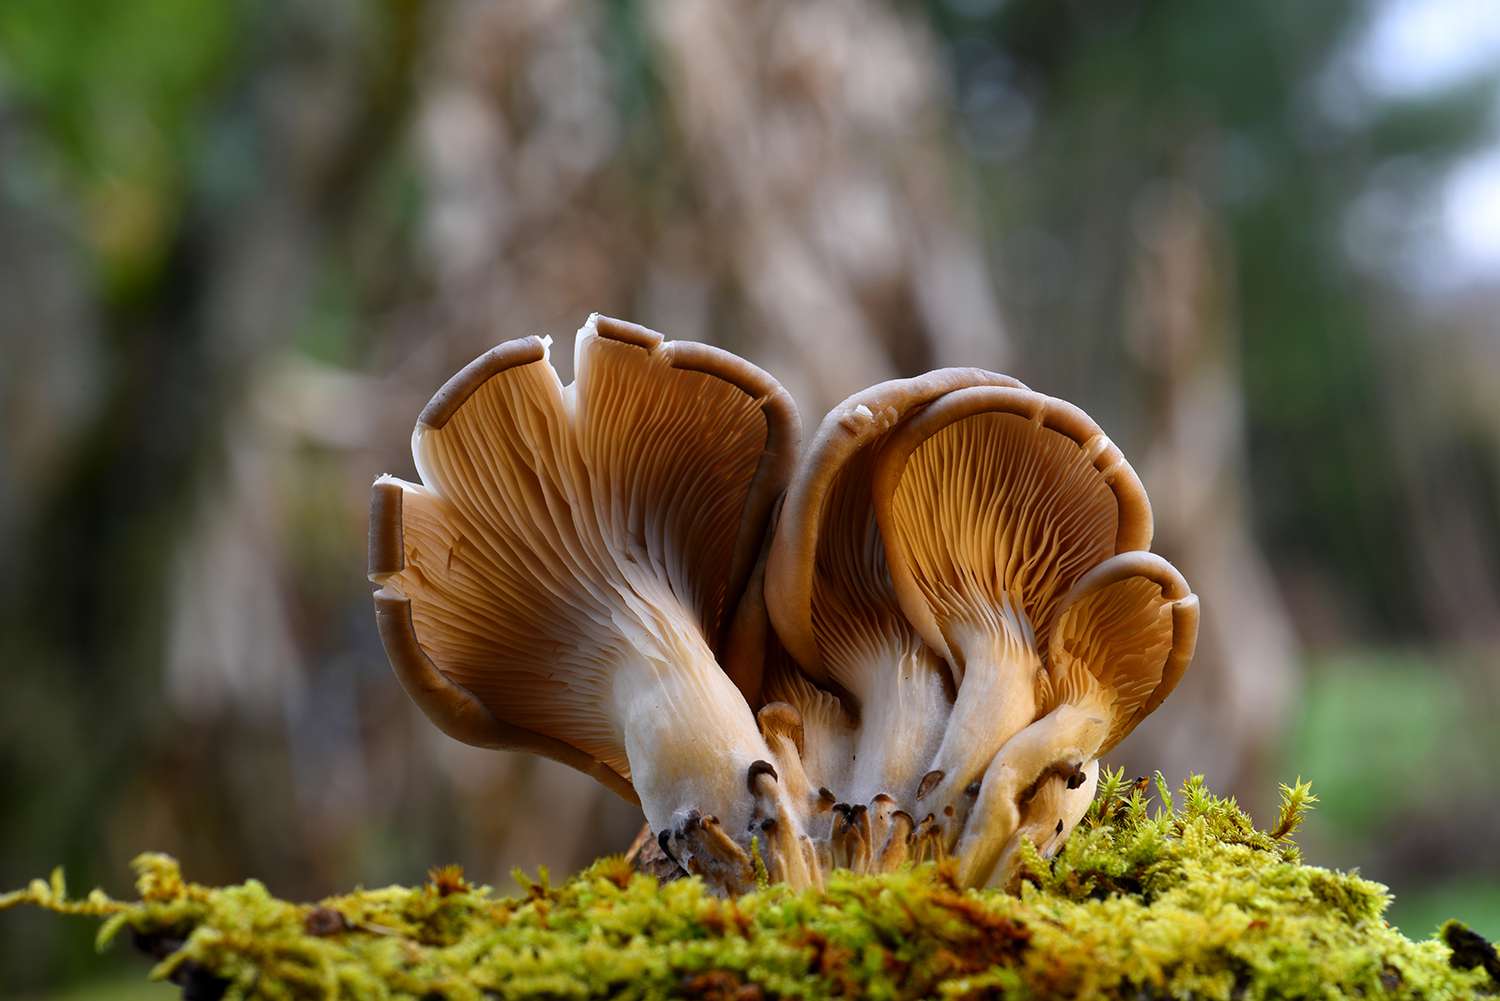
[1445,436]
[818,138]
[1225,718]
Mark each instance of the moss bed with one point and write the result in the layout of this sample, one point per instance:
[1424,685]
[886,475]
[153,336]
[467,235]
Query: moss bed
[1151,898]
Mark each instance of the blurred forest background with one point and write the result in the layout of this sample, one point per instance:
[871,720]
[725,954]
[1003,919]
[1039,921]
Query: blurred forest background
[242,243]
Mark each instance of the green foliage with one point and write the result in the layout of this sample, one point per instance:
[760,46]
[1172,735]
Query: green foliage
[1296,800]
[1404,808]
[1358,700]
[119,90]
[1148,899]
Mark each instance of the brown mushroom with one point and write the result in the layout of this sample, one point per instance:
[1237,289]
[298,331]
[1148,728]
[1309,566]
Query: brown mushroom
[1123,636]
[561,580]
[829,594]
[578,562]
[993,502]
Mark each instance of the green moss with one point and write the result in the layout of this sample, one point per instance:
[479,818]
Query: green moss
[1164,901]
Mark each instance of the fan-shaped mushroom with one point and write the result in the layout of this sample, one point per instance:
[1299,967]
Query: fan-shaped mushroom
[561,580]
[993,502]
[1122,638]
[829,594]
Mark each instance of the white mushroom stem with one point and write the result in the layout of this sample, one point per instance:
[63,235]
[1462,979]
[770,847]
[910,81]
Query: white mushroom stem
[1066,739]
[827,753]
[690,739]
[903,708]
[996,699]
[1047,819]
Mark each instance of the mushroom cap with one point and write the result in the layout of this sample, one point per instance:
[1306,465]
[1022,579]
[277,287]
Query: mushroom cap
[784,720]
[993,502]
[826,579]
[558,531]
[455,710]
[1126,632]
[826,730]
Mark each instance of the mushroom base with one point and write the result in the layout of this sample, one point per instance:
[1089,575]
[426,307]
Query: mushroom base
[1035,790]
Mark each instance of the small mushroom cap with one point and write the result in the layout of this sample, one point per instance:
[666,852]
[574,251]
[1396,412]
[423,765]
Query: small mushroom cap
[826,580]
[1125,633]
[781,719]
[993,502]
[559,532]
[825,729]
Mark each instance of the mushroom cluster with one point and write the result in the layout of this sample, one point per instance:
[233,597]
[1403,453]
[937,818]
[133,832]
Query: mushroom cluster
[953,615]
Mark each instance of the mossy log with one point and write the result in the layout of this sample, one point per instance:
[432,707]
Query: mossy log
[1149,899]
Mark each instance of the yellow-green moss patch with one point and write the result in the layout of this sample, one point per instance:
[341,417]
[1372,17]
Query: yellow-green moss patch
[1165,901]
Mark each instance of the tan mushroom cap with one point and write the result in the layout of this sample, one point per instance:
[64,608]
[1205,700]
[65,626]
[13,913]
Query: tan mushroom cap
[456,710]
[993,502]
[827,586]
[1125,633]
[559,531]
[1123,637]
[826,729]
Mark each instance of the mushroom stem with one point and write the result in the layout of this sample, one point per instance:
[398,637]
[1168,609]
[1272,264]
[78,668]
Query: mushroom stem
[782,727]
[1067,738]
[996,699]
[903,709]
[1048,818]
[898,842]
[690,739]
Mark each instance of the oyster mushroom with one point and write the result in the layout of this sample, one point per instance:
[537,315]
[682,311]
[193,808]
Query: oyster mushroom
[829,594]
[1123,637]
[562,578]
[824,730]
[993,502]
